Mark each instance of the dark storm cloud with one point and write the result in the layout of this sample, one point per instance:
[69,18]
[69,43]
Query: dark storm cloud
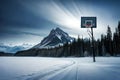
[20,17]
[14,15]
[6,34]
[16,20]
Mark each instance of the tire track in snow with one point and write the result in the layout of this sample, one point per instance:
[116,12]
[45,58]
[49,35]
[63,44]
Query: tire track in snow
[39,75]
[70,73]
[23,77]
[77,71]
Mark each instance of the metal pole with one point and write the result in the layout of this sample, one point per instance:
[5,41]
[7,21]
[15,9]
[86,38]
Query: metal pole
[93,45]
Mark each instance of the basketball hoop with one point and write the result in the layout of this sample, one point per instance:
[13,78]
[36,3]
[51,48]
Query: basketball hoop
[88,22]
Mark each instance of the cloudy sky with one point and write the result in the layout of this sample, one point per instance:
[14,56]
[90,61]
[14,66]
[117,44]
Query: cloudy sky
[29,21]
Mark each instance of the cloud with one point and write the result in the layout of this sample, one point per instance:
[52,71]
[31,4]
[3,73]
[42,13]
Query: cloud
[68,14]
[25,20]
[9,49]
[20,32]
[13,49]
[30,33]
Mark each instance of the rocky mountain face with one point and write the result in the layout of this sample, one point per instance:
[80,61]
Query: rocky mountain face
[55,38]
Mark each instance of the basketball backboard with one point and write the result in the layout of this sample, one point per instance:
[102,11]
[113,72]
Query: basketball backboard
[88,22]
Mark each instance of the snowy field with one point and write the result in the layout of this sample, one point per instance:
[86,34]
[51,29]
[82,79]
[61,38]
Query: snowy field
[39,68]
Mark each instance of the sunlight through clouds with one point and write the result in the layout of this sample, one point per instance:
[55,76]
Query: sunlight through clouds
[68,15]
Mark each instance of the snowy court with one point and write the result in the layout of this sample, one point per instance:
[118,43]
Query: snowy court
[43,68]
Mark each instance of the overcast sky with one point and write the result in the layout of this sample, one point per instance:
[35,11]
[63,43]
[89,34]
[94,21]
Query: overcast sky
[29,21]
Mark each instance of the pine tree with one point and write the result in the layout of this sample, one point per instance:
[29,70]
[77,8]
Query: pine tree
[79,47]
[119,28]
[109,41]
[103,40]
[109,33]
[118,38]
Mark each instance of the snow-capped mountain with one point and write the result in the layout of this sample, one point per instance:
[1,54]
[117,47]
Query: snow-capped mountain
[55,38]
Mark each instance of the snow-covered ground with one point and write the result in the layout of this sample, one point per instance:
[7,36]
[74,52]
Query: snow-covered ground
[39,68]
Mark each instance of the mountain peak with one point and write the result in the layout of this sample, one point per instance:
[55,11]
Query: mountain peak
[58,29]
[56,37]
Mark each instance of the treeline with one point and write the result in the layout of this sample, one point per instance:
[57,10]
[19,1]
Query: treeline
[107,45]
[6,54]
